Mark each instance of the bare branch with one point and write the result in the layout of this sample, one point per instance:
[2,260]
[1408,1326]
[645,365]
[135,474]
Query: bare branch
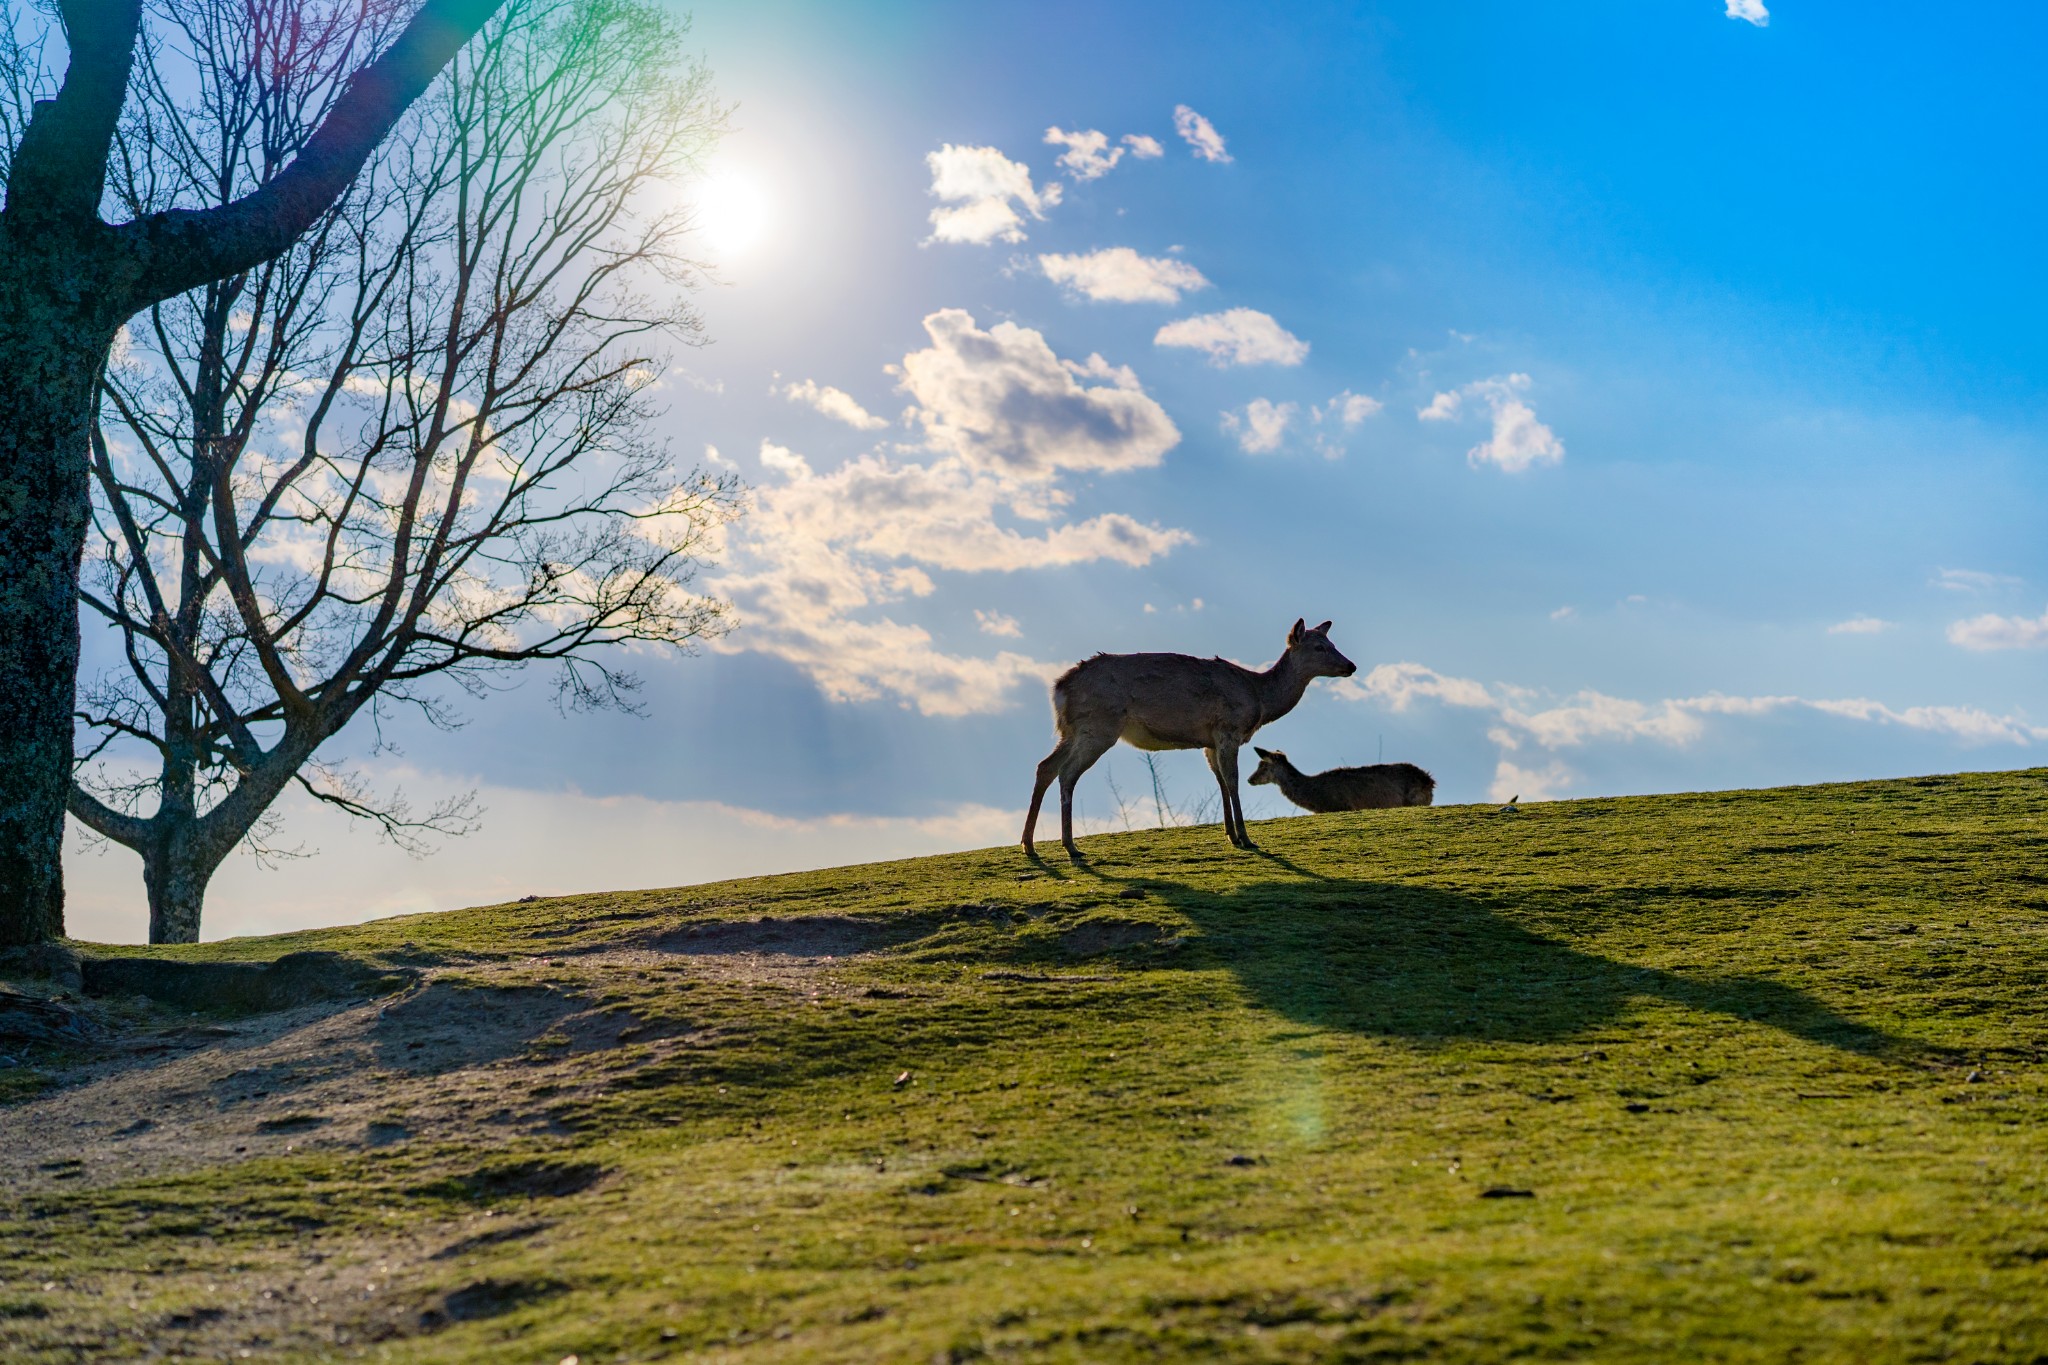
[183,248]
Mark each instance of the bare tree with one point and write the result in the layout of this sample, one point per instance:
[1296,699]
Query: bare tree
[69,280]
[408,452]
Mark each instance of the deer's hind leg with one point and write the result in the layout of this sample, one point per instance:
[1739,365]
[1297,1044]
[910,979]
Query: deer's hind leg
[1086,748]
[1048,769]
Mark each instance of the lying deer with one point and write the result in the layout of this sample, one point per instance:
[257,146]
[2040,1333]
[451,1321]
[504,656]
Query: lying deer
[1372,788]
[1173,701]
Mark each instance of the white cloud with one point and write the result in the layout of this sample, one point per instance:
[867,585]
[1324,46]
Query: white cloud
[1861,625]
[1118,274]
[1346,411]
[784,461]
[1003,402]
[1237,336]
[1518,441]
[1752,10]
[1348,408]
[1970,724]
[1564,613]
[1442,408]
[1532,784]
[1199,134]
[1990,632]
[979,184]
[822,556]
[837,404]
[1142,147]
[1088,156]
[1972,580]
[1589,717]
[1400,686]
[1260,429]
[996,623]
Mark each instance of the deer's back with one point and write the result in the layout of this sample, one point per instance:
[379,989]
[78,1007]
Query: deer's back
[1175,699]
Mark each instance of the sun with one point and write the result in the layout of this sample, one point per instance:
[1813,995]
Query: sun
[734,215]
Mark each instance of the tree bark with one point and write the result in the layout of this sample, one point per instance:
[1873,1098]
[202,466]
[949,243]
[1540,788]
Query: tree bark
[176,876]
[51,351]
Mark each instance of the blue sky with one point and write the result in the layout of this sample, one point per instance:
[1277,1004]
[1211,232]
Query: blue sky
[1652,397]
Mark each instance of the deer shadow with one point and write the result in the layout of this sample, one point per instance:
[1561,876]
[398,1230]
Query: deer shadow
[1426,964]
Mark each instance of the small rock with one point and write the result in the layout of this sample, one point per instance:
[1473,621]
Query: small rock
[1973,1078]
[1241,1160]
[1636,1107]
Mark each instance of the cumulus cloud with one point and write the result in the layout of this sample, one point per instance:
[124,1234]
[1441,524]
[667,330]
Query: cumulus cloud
[1001,401]
[1088,156]
[1518,441]
[1401,685]
[1751,10]
[1991,631]
[1260,427]
[1512,781]
[1345,412]
[1860,625]
[1199,134]
[996,623]
[1348,408]
[1442,408]
[822,557]
[784,461]
[1118,274]
[979,185]
[1142,147]
[1236,336]
[837,404]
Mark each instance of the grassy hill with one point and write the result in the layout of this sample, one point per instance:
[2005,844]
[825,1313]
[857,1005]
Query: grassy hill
[1740,1076]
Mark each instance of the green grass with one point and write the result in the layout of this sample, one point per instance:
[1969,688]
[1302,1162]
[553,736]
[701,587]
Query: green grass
[1770,1066]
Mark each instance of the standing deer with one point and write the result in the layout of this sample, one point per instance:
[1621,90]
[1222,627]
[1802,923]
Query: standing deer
[1174,701]
[1370,788]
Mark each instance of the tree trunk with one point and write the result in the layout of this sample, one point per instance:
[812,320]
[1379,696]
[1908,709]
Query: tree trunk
[176,874]
[51,352]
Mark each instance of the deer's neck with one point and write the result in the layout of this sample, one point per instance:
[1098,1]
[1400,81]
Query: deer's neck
[1293,784]
[1280,688]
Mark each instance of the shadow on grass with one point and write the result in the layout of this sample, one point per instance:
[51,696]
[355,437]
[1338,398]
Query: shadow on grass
[1421,963]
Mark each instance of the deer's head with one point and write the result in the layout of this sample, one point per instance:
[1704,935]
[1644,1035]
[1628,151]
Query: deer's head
[1313,653]
[1271,761]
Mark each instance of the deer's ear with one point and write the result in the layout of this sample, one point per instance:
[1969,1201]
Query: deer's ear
[1323,629]
[1295,634]
[1262,753]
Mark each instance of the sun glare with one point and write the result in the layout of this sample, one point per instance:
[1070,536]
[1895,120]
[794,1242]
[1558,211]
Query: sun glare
[733,213]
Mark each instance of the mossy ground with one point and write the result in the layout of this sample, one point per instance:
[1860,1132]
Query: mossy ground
[1737,1076]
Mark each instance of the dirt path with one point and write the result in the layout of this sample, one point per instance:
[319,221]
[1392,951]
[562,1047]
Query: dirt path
[458,1054]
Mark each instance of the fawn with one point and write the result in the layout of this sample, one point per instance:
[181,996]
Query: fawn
[1371,788]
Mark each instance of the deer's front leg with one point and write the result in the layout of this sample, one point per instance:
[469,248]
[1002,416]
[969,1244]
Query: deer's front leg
[1216,771]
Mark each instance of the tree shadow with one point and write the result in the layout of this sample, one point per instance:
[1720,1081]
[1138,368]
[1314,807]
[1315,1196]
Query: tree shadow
[1427,964]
